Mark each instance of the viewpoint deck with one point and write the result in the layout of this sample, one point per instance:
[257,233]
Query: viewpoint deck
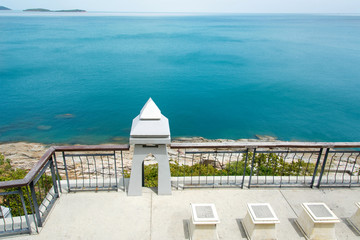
[114,215]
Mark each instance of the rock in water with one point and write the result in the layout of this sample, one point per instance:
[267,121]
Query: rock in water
[66,115]
[266,138]
[44,127]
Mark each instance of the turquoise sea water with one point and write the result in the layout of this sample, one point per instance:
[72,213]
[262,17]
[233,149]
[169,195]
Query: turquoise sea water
[296,77]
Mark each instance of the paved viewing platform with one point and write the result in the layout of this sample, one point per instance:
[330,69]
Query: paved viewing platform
[114,215]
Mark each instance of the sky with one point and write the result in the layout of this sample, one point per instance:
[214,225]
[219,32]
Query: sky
[209,6]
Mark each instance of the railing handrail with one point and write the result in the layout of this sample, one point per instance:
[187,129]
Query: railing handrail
[267,145]
[47,155]
[92,148]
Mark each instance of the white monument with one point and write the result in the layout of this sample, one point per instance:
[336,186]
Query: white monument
[150,132]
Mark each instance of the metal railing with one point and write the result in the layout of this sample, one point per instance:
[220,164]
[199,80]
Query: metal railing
[15,219]
[98,168]
[44,191]
[265,164]
[26,202]
[340,168]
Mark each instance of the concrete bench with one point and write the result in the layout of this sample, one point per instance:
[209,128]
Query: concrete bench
[260,221]
[317,221]
[203,222]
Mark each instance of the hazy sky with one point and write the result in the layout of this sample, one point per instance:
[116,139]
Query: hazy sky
[236,6]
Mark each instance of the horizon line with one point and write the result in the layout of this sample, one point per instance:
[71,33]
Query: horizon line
[174,12]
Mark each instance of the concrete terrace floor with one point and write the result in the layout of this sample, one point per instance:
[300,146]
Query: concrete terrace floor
[114,215]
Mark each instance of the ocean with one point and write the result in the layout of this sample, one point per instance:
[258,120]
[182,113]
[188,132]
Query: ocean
[82,78]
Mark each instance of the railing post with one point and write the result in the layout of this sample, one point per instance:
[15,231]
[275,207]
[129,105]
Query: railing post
[323,167]
[66,172]
[31,207]
[316,167]
[143,174]
[282,170]
[246,159]
[53,176]
[122,169]
[24,208]
[57,172]
[116,179]
[36,205]
[252,167]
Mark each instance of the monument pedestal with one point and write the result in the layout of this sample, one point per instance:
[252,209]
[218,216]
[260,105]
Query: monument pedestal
[164,177]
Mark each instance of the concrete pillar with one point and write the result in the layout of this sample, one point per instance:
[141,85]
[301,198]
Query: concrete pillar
[150,132]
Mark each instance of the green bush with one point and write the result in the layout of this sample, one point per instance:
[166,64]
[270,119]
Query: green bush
[268,164]
[271,164]
[8,173]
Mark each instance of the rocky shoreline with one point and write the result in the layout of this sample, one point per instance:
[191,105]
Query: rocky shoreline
[24,154]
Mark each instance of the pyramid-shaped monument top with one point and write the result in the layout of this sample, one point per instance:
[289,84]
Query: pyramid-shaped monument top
[150,111]
[150,126]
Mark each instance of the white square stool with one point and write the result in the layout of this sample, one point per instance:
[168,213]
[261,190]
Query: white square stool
[260,221]
[203,222]
[317,221]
